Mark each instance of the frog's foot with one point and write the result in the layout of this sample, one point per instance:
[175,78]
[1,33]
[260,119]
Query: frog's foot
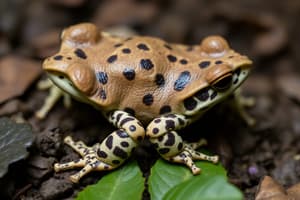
[247,101]
[239,103]
[54,95]
[189,155]
[200,143]
[89,162]
[170,145]
[112,152]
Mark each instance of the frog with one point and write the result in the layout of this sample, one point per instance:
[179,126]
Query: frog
[147,88]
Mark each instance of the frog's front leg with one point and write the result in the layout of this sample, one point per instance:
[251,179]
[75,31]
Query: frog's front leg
[111,153]
[53,97]
[162,133]
[239,102]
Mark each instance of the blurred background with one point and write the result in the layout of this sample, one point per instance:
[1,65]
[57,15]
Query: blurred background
[256,28]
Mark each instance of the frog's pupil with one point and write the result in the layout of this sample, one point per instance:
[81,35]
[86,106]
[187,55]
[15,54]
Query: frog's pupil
[223,83]
[61,77]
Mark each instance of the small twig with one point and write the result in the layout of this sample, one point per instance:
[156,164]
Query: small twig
[21,191]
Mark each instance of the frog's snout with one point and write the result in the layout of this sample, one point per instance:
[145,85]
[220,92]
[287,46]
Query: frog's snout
[52,64]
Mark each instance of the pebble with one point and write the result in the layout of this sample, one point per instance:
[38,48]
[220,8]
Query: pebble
[56,189]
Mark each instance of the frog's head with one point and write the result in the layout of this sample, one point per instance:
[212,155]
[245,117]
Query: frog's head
[222,71]
[228,69]
[70,69]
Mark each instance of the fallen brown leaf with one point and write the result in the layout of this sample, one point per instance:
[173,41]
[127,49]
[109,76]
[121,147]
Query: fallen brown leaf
[46,44]
[294,192]
[269,189]
[16,75]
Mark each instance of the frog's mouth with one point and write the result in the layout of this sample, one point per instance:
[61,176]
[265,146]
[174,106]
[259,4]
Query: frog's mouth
[66,85]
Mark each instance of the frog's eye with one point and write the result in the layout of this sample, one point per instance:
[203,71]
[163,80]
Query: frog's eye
[219,76]
[82,78]
[223,83]
[84,33]
[214,45]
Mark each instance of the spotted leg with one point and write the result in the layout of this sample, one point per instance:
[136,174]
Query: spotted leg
[110,153]
[162,133]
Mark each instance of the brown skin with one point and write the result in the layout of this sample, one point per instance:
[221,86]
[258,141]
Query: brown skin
[94,49]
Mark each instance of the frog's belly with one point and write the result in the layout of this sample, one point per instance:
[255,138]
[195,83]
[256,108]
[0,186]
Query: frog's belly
[145,117]
[145,113]
[142,113]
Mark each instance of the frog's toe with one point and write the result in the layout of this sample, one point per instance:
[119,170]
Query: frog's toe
[247,101]
[75,178]
[68,140]
[201,156]
[90,165]
[70,165]
[196,170]
[250,121]
[79,146]
[200,143]
[189,155]
[186,159]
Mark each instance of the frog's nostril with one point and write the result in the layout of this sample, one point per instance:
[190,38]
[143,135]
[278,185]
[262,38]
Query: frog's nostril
[223,83]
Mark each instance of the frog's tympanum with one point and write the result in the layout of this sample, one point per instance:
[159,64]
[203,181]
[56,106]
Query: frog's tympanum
[146,87]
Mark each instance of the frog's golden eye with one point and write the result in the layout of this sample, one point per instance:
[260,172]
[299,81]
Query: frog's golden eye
[84,33]
[223,83]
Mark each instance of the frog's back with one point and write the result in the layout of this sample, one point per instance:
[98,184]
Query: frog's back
[146,76]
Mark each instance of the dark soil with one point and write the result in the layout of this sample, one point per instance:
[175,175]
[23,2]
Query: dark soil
[267,31]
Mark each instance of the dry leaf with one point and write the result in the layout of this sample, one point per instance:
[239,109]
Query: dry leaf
[16,75]
[294,192]
[269,189]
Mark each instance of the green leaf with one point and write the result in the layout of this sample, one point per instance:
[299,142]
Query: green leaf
[125,183]
[205,188]
[169,181]
[14,140]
